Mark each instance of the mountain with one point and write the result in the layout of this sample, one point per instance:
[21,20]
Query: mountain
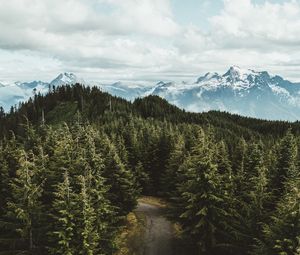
[245,92]
[241,91]
[66,78]
[12,94]
[129,91]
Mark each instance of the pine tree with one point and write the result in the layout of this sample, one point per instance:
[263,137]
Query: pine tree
[24,209]
[286,164]
[142,178]
[120,180]
[86,218]
[150,159]
[224,168]
[104,212]
[173,176]
[281,236]
[254,200]
[63,214]
[200,192]
[4,180]
[239,156]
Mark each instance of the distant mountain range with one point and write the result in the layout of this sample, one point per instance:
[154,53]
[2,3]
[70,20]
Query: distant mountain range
[245,92]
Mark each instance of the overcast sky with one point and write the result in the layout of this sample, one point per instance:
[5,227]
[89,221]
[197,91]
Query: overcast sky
[147,39]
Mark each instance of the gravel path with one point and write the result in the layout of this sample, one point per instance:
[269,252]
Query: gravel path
[159,236]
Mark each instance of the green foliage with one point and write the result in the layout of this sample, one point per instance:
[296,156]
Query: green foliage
[24,208]
[63,209]
[86,219]
[202,196]
[232,182]
[286,167]
[281,235]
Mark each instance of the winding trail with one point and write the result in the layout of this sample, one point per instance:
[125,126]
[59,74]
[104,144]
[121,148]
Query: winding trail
[159,232]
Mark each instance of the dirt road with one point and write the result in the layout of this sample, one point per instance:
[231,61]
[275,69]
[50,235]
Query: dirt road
[159,233]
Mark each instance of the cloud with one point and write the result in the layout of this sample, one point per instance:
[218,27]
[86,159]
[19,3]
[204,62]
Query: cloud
[245,24]
[79,32]
[153,17]
[142,39]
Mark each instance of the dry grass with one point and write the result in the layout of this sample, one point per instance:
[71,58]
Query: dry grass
[131,236]
[153,201]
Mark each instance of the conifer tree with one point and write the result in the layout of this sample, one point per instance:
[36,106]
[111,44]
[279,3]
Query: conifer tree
[200,192]
[173,176]
[142,178]
[224,168]
[239,156]
[104,212]
[4,180]
[63,214]
[86,218]
[25,207]
[281,235]
[122,190]
[286,164]
[253,200]
[151,159]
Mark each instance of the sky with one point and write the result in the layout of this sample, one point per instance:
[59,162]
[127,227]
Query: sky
[147,40]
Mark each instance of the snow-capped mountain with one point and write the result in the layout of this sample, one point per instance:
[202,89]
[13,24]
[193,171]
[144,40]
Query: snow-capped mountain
[127,90]
[66,78]
[246,92]
[242,91]
[12,94]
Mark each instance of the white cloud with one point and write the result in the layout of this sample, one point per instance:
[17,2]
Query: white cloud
[145,16]
[127,39]
[266,25]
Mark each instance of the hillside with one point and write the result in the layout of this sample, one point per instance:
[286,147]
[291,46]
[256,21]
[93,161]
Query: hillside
[74,161]
[64,101]
[255,94]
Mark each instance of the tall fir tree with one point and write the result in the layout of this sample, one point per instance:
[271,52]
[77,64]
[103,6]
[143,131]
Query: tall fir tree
[86,219]
[64,222]
[173,176]
[25,207]
[286,163]
[253,201]
[123,193]
[204,212]
[281,235]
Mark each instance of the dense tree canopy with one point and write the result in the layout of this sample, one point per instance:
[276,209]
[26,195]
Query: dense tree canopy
[68,180]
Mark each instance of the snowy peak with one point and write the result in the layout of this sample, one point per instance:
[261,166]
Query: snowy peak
[235,78]
[66,79]
[208,76]
[38,85]
[238,90]
[235,73]
[165,84]
[13,93]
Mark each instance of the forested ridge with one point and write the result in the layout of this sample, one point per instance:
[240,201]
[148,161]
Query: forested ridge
[74,161]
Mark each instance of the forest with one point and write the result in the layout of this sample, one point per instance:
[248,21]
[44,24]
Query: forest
[73,163]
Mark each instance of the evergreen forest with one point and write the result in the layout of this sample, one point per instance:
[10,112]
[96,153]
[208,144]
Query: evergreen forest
[73,163]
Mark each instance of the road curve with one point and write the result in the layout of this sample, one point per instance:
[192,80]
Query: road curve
[159,232]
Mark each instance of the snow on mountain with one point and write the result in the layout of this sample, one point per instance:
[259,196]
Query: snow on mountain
[12,94]
[127,90]
[66,78]
[242,91]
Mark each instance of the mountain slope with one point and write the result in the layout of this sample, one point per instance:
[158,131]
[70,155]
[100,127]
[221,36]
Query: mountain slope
[12,94]
[245,92]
